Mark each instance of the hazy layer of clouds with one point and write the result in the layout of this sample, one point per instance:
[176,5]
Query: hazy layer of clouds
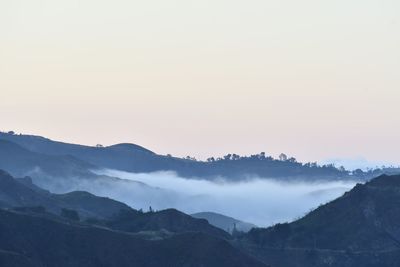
[260,201]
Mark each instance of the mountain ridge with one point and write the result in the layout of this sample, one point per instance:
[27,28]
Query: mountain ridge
[137,159]
[358,229]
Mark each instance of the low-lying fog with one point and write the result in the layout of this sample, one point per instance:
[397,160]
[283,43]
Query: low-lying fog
[259,201]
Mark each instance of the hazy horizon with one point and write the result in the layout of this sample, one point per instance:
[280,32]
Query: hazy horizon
[315,80]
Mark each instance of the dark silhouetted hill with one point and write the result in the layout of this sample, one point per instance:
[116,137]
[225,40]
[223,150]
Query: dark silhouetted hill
[361,228]
[33,240]
[171,220]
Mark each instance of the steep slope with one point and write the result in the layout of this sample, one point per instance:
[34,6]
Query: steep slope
[30,241]
[224,222]
[15,194]
[18,193]
[358,229]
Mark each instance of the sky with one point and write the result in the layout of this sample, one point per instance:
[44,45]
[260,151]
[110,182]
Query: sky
[314,79]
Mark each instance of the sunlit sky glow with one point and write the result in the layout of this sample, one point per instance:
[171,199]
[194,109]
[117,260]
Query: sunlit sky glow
[315,79]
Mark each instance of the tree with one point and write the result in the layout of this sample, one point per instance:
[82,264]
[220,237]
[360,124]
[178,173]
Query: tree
[212,159]
[358,172]
[283,157]
[228,157]
[313,165]
[235,157]
[236,232]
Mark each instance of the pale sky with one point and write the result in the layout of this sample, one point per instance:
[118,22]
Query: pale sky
[315,79]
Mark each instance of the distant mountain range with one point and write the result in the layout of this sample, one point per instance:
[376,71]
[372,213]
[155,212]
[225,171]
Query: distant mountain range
[22,154]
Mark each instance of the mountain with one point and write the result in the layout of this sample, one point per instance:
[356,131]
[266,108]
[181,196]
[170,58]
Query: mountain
[127,157]
[20,161]
[65,173]
[134,158]
[34,240]
[170,219]
[358,229]
[23,193]
[224,222]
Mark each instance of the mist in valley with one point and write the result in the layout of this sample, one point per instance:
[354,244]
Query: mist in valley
[260,201]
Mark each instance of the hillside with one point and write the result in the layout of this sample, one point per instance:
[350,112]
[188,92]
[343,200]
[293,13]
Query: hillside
[358,229]
[170,219]
[19,193]
[32,241]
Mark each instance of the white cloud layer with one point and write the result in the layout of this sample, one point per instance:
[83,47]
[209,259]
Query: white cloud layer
[259,201]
